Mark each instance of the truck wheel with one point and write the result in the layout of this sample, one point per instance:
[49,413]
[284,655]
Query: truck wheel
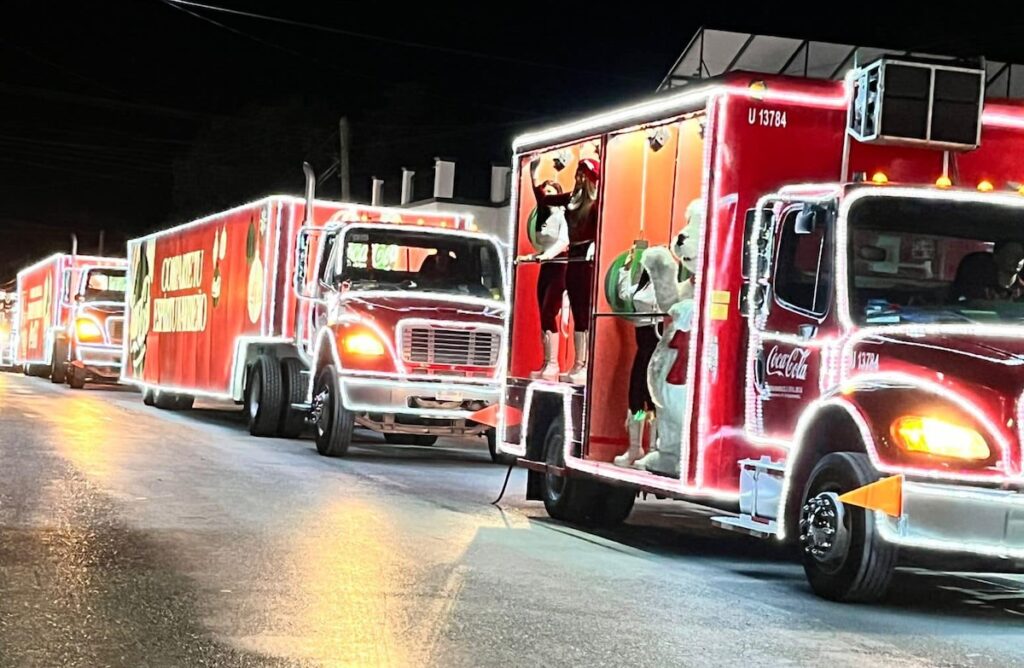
[844,557]
[334,423]
[167,401]
[264,396]
[292,420]
[614,506]
[149,396]
[58,370]
[410,439]
[76,378]
[492,447]
[565,498]
[183,402]
[39,370]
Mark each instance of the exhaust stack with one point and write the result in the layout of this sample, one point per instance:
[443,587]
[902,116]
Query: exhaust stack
[307,169]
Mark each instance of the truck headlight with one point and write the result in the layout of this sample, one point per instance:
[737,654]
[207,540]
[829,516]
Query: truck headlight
[87,331]
[918,433]
[362,343]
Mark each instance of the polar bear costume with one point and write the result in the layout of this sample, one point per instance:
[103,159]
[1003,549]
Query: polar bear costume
[666,374]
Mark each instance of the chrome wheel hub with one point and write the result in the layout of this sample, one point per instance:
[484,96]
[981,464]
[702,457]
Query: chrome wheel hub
[823,532]
[318,412]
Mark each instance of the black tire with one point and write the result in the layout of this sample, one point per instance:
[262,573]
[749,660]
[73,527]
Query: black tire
[76,378]
[183,402]
[492,447]
[565,498]
[334,423]
[615,507]
[264,396]
[410,439]
[149,396]
[293,420]
[38,370]
[59,367]
[167,401]
[862,565]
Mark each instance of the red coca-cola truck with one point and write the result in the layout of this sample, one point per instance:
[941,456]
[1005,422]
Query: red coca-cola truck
[70,318]
[351,315]
[806,309]
[8,329]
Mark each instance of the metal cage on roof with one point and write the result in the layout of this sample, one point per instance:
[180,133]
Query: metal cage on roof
[714,52]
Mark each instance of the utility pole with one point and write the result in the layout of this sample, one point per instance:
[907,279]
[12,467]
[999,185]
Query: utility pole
[101,243]
[343,149]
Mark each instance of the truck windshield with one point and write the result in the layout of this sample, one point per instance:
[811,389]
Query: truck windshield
[105,285]
[917,260]
[403,259]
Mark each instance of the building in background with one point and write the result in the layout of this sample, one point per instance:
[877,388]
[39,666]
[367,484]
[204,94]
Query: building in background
[445,193]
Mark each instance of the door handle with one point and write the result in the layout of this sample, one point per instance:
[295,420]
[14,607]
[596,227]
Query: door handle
[759,369]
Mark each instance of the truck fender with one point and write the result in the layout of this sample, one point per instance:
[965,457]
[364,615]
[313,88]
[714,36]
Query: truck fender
[800,458]
[871,403]
[325,351]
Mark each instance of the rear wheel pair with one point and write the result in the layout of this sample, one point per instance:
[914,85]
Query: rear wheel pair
[577,499]
[59,366]
[273,387]
[168,401]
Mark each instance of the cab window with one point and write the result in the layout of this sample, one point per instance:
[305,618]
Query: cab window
[803,266]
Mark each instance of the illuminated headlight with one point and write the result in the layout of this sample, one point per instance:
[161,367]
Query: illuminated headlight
[364,344]
[88,331]
[916,433]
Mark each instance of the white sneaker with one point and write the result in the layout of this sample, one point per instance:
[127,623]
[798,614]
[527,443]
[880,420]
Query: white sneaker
[547,372]
[575,376]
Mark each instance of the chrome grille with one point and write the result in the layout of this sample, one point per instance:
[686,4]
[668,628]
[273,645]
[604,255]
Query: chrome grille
[115,329]
[457,347]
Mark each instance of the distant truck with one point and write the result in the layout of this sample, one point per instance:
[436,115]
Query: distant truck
[344,314]
[8,331]
[70,318]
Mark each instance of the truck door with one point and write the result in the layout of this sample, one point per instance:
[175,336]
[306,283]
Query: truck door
[316,314]
[793,317]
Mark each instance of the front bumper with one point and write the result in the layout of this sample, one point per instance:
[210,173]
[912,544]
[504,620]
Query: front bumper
[99,361]
[449,401]
[957,518]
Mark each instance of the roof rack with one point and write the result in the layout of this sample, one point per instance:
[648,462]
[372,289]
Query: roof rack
[711,53]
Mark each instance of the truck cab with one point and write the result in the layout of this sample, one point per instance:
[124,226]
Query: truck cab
[886,321]
[406,332]
[89,347]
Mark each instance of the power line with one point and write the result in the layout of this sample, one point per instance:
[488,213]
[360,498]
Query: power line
[297,54]
[402,42]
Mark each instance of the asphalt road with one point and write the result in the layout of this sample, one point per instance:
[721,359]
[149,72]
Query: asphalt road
[135,537]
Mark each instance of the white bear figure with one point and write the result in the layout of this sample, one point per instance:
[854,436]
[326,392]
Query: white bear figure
[665,373]
[658,277]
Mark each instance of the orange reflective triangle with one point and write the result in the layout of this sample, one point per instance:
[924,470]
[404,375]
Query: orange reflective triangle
[885,495]
[489,416]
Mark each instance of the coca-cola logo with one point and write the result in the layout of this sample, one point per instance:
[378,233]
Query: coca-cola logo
[792,364]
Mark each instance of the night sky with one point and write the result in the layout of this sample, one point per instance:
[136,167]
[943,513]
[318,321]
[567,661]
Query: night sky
[130,115]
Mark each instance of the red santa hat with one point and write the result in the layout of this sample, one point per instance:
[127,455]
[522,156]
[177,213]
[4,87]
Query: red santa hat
[591,168]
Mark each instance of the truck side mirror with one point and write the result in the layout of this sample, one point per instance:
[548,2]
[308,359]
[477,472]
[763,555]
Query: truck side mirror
[303,288]
[807,219]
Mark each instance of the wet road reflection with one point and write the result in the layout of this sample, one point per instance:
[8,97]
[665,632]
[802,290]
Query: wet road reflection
[132,537]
